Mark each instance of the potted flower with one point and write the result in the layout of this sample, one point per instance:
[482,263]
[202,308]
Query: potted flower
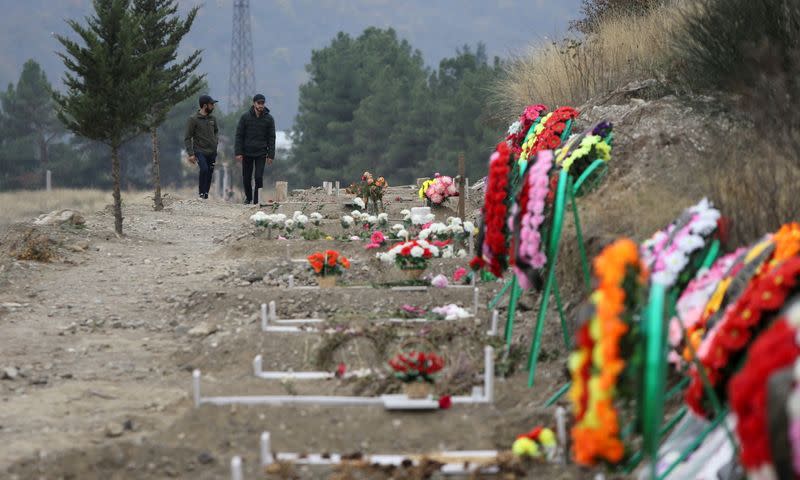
[416,370]
[327,265]
[437,190]
[412,257]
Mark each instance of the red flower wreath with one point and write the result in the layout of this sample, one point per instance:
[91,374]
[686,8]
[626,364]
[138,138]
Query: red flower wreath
[773,350]
[764,295]
[550,137]
[495,247]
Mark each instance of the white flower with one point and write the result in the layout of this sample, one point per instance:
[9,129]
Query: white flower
[402,234]
[289,224]
[689,243]
[296,214]
[429,218]
[439,281]
[316,218]
[423,235]
[397,227]
[359,203]
[514,128]
[417,252]
[461,253]
[447,252]
[371,219]
[259,217]
[347,221]
[434,250]
[383,218]
[388,257]
[423,243]
[469,227]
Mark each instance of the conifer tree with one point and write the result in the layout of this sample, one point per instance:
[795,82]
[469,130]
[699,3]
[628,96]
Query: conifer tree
[107,78]
[172,80]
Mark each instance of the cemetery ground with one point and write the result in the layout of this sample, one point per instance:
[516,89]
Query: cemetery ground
[99,345]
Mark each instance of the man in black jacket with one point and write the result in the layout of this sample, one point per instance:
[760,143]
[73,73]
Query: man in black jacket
[255,146]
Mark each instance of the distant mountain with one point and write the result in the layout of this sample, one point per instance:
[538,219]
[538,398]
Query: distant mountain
[286,31]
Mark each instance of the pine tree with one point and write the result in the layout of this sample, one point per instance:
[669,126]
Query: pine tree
[28,110]
[171,81]
[107,78]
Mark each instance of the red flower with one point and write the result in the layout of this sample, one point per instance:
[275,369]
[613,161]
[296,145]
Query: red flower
[477,263]
[340,370]
[495,209]
[445,402]
[774,350]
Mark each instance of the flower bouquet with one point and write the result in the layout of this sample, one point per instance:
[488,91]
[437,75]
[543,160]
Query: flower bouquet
[580,151]
[437,190]
[369,192]
[673,255]
[410,256]
[606,366]
[416,370]
[327,265]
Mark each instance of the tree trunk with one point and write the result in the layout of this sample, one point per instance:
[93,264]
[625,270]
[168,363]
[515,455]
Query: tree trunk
[158,204]
[115,175]
[43,152]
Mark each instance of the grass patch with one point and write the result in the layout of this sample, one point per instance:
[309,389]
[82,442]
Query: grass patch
[623,48]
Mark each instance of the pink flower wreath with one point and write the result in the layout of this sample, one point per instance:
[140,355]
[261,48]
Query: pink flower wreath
[530,217]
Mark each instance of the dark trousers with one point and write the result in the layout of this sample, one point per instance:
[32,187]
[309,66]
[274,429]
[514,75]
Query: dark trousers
[206,163]
[248,164]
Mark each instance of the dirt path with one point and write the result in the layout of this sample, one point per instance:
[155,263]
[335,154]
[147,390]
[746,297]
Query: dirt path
[101,346]
[92,340]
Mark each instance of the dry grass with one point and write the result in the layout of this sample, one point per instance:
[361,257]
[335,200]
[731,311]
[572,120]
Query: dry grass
[623,49]
[21,205]
[758,188]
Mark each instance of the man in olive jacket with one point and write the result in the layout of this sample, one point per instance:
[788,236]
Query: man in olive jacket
[201,141]
[255,146]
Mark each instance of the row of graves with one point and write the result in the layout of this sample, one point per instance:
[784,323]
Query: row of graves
[685,353]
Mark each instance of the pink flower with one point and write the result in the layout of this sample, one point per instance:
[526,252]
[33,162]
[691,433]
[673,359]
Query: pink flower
[439,281]
[377,237]
[437,198]
[459,274]
[370,246]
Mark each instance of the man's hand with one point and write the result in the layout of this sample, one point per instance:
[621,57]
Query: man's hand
[193,159]
[239,158]
[269,161]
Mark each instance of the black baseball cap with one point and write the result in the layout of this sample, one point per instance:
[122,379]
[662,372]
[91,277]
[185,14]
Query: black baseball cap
[206,99]
[259,98]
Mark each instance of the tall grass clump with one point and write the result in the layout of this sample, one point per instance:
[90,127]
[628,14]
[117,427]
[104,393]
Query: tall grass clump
[622,47]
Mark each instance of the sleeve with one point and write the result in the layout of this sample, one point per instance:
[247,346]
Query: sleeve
[238,148]
[188,137]
[271,138]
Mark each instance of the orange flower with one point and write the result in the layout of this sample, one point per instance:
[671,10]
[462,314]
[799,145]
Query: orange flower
[344,262]
[317,261]
[596,433]
[332,256]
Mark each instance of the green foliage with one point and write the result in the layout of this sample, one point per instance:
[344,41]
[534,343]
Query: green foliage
[106,79]
[161,32]
[720,41]
[371,105]
[107,76]
[595,11]
[29,125]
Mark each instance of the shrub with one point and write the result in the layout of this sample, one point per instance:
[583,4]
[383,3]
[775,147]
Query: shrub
[718,38]
[596,11]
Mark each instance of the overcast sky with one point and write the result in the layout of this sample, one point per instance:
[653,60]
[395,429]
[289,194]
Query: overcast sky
[286,31]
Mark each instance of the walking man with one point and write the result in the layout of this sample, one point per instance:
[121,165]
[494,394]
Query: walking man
[201,142]
[255,146]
